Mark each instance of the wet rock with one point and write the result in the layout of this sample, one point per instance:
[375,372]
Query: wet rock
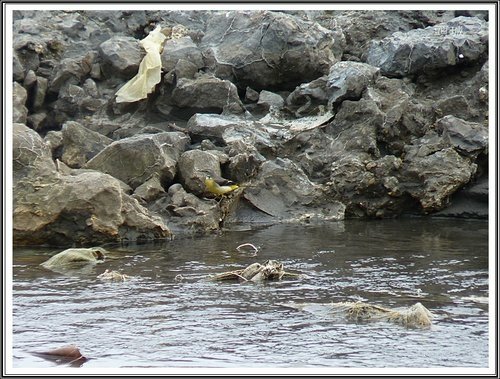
[205,94]
[75,256]
[20,112]
[468,138]
[265,49]
[193,168]
[121,56]
[86,207]
[459,41]
[177,49]
[136,159]
[81,144]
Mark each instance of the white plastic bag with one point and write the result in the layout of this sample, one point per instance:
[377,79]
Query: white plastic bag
[149,74]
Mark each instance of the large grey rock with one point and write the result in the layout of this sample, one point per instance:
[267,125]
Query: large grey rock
[211,126]
[81,144]
[193,168]
[121,55]
[75,256]
[183,48]
[266,49]
[136,159]
[461,40]
[283,191]
[85,207]
[205,94]
[70,71]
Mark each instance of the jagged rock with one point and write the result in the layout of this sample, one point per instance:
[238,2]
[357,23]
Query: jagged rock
[81,144]
[177,49]
[121,55]
[461,40]
[193,168]
[433,173]
[17,69]
[39,92]
[150,190]
[455,105]
[210,126]
[136,159]
[264,49]
[346,80]
[205,94]
[268,100]
[81,208]
[54,141]
[70,71]
[20,95]
[283,191]
[468,138]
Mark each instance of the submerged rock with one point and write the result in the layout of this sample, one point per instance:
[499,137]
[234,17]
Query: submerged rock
[75,256]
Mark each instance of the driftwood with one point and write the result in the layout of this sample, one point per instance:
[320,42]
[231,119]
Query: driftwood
[269,270]
[69,354]
[415,316]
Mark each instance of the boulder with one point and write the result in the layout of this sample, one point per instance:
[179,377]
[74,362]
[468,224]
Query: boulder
[81,144]
[267,50]
[136,159]
[193,168]
[205,94]
[468,138]
[177,49]
[150,190]
[459,41]
[121,55]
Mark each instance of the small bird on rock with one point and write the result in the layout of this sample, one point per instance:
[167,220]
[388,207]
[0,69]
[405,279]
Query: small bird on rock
[219,186]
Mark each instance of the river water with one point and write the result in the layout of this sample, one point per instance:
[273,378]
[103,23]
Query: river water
[155,320]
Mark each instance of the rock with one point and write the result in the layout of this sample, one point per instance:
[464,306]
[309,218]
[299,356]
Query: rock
[121,56]
[193,168]
[70,71]
[468,138]
[461,40]
[282,190]
[31,156]
[177,49]
[251,95]
[135,160]
[39,92]
[54,141]
[81,144]
[150,190]
[266,50]
[75,256]
[18,69]
[86,207]
[19,97]
[455,105]
[346,80]
[268,100]
[433,176]
[210,126]
[205,94]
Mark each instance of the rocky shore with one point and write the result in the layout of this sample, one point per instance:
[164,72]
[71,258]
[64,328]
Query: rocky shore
[317,115]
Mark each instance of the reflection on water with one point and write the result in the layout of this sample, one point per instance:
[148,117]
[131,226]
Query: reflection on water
[153,320]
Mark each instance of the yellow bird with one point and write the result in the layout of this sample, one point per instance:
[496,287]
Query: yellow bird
[215,188]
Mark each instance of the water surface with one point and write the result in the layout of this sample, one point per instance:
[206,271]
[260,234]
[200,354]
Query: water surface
[154,320]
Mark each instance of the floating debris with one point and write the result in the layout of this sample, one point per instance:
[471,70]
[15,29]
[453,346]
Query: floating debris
[256,272]
[69,354]
[113,276]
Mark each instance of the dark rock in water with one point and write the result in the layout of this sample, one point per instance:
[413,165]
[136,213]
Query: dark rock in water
[136,159]
[461,40]
[20,112]
[468,138]
[265,49]
[205,94]
[121,55]
[81,144]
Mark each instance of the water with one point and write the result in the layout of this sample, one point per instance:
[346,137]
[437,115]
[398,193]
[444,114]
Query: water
[152,320]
